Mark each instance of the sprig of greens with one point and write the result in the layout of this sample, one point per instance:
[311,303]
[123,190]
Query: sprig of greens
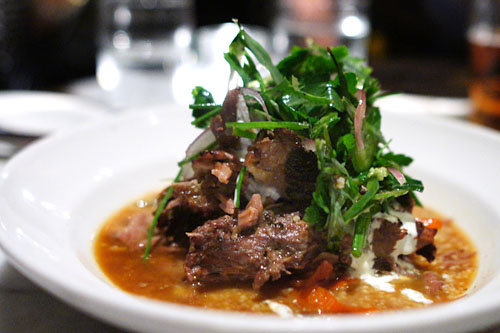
[159,209]
[166,198]
[237,190]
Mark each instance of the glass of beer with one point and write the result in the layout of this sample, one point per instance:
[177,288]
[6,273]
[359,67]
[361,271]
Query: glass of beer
[484,40]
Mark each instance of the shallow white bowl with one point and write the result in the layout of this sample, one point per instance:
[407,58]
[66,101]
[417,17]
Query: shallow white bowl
[58,192]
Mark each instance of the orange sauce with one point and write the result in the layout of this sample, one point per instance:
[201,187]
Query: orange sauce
[162,277]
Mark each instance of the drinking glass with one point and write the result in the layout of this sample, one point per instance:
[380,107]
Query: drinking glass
[484,40]
[140,42]
[327,22]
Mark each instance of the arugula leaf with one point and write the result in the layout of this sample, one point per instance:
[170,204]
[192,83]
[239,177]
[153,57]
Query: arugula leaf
[260,53]
[307,64]
[391,159]
[234,62]
[203,107]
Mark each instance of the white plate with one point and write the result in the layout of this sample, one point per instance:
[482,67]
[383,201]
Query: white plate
[426,105]
[57,193]
[39,113]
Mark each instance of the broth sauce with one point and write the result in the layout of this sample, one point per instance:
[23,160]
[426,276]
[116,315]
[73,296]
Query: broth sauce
[163,278]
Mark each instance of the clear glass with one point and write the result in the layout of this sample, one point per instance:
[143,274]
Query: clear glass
[327,22]
[484,41]
[140,43]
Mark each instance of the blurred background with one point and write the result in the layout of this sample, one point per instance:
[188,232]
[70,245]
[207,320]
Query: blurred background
[417,47]
[45,44]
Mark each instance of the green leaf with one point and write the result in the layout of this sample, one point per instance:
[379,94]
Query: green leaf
[358,207]
[321,196]
[267,125]
[203,104]
[310,65]
[244,133]
[360,234]
[235,64]
[394,160]
[314,215]
[344,87]
[260,54]
[327,122]
[159,209]
[203,120]
[237,190]
[348,141]
[362,159]
[202,96]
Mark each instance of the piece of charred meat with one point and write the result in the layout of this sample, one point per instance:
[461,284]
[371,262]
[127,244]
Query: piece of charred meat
[198,200]
[217,171]
[386,236]
[220,250]
[384,242]
[188,208]
[281,168]
[425,243]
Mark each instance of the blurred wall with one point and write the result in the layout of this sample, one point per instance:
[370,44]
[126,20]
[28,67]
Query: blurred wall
[44,43]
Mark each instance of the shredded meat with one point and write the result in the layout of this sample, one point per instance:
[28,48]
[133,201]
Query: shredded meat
[222,171]
[250,216]
[455,258]
[226,204]
[219,163]
[276,246]
[433,283]
[216,171]
[135,233]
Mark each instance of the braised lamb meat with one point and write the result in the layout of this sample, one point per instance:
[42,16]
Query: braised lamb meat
[277,246]
[199,199]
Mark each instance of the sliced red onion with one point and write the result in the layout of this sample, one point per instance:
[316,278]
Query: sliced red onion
[200,143]
[255,94]
[242,113]
[398,175]
[228,111]
[359,116]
